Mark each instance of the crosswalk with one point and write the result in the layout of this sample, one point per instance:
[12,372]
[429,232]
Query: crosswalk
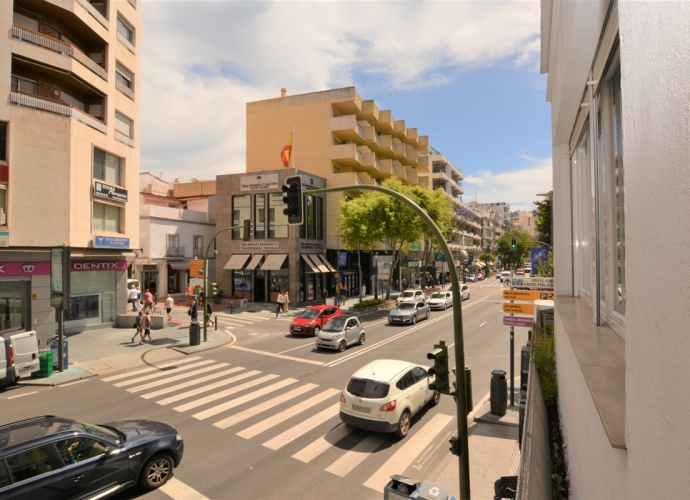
[487,283]
[229,321]
[252,405]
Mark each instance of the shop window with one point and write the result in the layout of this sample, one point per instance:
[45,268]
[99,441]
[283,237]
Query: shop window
[277,220]
[241,211]
[259,216]
[107,167]
[106,217]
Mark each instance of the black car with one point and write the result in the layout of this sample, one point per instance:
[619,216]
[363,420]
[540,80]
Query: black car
[49,457]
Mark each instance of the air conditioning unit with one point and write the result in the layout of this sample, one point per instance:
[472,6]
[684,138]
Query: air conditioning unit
[3,217]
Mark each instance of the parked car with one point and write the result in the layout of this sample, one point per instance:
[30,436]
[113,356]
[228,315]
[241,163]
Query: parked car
[480,275]
[505,275]
[18,356]
[385,394]
[311,320]
[519,271]
[339,333]
[53,457]
[498,275]
[440,300]
[410,295]
[472,277]
[528,270]
[465,292]
[409,312]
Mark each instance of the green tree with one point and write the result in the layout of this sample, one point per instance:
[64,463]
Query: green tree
[511,256]
[545,267]
[440,209]
[542,220]
[487,258]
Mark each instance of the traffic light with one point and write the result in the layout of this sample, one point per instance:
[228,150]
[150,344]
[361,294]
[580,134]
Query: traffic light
[247,230]
[440,369]
[201,298]
[212,289]
[293,199]
[513,243]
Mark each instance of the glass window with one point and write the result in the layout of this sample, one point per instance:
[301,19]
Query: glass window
[29,464]
[125,30]
[618,192]
[241,211]
[107,167]
[24,85]
[319,218]
[106,217]
[77,449]
[259,216]
[367,388]
[419,373]
[123,75]
[582,177]
[406,381]
[3,204]
[123,124]
[198,245]
[3,141]
[4,475]
[310,209]
[277,220]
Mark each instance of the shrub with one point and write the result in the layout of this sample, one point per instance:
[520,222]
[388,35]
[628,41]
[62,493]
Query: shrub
[544,354]
[367,303]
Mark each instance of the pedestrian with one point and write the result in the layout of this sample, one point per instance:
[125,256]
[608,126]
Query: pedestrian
[148,299]
[364,291]
[169,305]
[193,312]
[187,295]
[337,294]
[280,300]
[139,325]
[147,327]
[132,297]
[209,313]
[286,302]
[324,296]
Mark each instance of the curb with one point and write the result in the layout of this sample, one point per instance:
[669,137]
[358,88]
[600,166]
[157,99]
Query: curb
[48,383]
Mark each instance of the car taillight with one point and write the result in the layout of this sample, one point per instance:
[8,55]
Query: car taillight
[11,356]
[390,406]
[342,398]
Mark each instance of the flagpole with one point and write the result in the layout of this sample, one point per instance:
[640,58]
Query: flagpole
[292,153]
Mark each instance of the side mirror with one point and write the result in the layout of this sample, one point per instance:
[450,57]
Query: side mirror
[112,450]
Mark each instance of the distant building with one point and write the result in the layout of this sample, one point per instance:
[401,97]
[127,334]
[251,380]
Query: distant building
[523,219]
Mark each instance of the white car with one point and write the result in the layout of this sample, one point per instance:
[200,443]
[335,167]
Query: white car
[465,292]
[440,300]
[385,394]
[339,333]
[410,296]
[506,275]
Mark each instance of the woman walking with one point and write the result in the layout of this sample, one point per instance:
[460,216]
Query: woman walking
[139,324]
[147,327]
[286,302]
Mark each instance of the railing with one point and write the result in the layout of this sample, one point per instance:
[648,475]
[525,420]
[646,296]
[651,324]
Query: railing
[174,252]
[125,42]
[124,139]
[56,45]
[92,10]
[60,108]
[360,157]
[124,89]
[133,3]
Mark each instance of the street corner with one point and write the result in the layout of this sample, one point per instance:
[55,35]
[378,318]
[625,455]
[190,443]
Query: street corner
[71,374]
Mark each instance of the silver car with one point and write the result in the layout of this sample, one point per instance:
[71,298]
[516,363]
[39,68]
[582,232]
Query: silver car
[339,333]
[441,300]
[409,312]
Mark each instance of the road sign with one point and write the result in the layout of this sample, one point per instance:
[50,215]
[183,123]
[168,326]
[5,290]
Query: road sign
[518,308]
[526,295]
[517,321]
[517,281]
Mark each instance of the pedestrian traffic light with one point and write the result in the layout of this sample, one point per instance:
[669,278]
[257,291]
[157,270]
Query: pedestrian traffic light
[440,369]
[247,230]
[212,289]
[293,199]
[513,243]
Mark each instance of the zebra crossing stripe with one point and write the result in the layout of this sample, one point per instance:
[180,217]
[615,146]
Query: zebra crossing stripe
[222,394]
[235,319]
[345,464]
[176,377]
[264,425]
[251,412]
[414,445]
[325,442]
[244,399]
[162,373]
[190,383]
[150,369]
[209,387]
[302,428]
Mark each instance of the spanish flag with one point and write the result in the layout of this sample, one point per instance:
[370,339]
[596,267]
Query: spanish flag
[286,153]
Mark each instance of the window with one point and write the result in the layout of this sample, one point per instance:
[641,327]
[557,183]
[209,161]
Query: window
[406,381]
[77,449]
[367,388]
[277,220]
[313,215]
[259,216]
[29,464]
[241,210]
[106,217]
[123,75]
[4,476]
[106,167]
[24,85]
[198,245]
[3,204]
[419,373]
[3,141]
[125,29]
[123,124]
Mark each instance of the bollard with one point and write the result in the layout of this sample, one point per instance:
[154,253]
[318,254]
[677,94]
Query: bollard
[468,389]
[216,322]
[231,308]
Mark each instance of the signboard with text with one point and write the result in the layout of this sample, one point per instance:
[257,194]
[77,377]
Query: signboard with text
[195,268]
[114,193]
[110,242]
[517,321]
[259,182]
[258,245]
[518,308]
[519,281]
[528,295]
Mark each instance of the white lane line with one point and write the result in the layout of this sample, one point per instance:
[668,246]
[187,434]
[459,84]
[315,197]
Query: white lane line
[206,388]
[264,425]
[222,394]
[482,324]
[310,452]
[190,383]
[302,428]
[177,490]
[151,369]
[414,445]
[298,347]
[228,405]
[163,373]
[186,375]
[77,382]
[345,464]
[22,395]
[274,355]
[255,410]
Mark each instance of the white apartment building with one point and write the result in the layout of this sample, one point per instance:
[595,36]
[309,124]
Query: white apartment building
[523,219]
[69,157]
[443,175]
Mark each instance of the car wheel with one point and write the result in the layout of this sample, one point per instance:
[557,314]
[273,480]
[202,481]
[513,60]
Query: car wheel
[445,306]
[427,315]
[403,424]
[342,346]
[362,338]
[414,319]
[436,399]
[157,471]
[316,330]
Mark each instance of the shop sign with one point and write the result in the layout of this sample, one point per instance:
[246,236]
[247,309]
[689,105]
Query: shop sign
[311,246]
[309,182]
[259,182]
[4,238]
[99,265]
[258,245]
[110,242]
[109,192]
[24,268]
[526,295]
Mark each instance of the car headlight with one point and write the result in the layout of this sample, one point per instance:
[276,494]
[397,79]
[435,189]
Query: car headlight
[309,324]
[178,437]
[337,336]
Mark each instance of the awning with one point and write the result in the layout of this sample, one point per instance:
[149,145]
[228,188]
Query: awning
[254,262]
[179,265]
[322,267]
[310,264]
[479,264]
[326,263]
[236,261]
[273,262]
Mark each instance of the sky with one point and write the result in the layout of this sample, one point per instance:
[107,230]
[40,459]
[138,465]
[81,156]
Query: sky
[465,73]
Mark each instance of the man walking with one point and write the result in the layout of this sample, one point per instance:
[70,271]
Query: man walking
[324,296]
[139,324]
[132,297]
[286,302]
[337,294]
[147,327]
[168,306]
[148,299]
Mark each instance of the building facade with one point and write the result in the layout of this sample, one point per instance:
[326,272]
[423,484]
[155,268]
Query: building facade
[523,219]
[618,87]
[69,157]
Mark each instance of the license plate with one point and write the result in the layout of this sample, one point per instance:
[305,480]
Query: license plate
[364,409]
[296,329]
[396,319]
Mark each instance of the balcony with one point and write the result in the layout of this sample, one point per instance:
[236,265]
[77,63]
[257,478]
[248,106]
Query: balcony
[412,137]
[124,139]
[174,252]
[423,163]
[411,175]
[399,151]
[455,189]
[370,111]
[411,155]
[399,170]
[346,128]
[423,180]
[400,130]
[58,107]
[384,146]
[370,137]
[385,125]
[423,142]
[385,166]
[55,45]
[97,14]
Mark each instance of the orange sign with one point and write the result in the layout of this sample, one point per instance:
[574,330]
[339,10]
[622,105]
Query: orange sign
[518,308]
[526,295]
[196,268]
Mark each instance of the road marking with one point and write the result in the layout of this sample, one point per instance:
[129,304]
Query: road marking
[22,395]
[251,412]
[190,383]
[407,453]
[77,382]
[309,453]
[175,378]
[302,428]
[177,490]
[274,355]
[163,374]
[298,347]
[482,324]
[206,388]
[264,425]
[151,369]
[345,464]
[222,394]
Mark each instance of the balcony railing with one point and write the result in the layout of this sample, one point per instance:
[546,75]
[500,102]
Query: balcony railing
[57,107]
[92,10]
[124,139]
[124,89]
[35,38]
[174,252]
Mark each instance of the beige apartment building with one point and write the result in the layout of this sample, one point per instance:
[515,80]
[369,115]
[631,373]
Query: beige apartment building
[524,219]
[69,157]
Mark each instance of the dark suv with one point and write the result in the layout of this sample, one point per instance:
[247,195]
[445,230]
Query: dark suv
[49,457]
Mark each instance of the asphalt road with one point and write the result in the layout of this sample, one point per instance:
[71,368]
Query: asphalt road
[260,417]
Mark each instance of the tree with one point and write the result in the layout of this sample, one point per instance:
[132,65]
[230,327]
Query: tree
[487,258]
[545,267]
[439,207]
[542,220]
[515,256]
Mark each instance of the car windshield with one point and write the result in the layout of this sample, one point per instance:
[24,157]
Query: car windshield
[104,432]
[438,295]
[407,294]
[367,388]
[309,313]
[406,305]
[335,324]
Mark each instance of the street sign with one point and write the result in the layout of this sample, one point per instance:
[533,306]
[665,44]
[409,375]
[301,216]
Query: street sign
[517,321]
[526,295]
[518,281]
[518,308]
[196,268]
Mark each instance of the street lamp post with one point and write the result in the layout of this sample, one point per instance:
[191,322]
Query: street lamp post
[376,277]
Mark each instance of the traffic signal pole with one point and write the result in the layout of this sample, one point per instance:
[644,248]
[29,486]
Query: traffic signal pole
[461,396]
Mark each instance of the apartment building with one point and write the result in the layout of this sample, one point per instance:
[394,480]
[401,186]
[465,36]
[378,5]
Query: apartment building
[69,157]
[618,86]
[523,219]
[443,175]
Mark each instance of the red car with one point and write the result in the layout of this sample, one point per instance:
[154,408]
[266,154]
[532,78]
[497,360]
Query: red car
[480,275]
[520,272]
[311,320]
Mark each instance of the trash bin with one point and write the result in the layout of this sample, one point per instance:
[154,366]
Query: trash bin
[499,393]
[400,487]
[45,364]
[194,333]
[65,354]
